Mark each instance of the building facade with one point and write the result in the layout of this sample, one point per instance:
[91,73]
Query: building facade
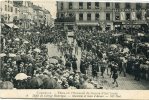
[26,17]
[48,18]
[24,14]
[9,12]
[101,15]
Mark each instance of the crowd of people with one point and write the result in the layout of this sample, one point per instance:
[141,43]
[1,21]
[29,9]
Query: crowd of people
[25,63]
[108,50]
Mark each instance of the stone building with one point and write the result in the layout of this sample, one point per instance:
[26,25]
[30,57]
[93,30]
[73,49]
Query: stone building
[101,15]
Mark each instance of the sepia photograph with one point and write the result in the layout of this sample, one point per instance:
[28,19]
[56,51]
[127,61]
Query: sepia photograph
[68,44]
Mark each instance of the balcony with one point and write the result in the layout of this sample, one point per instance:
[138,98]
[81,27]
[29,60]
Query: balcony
[65,19]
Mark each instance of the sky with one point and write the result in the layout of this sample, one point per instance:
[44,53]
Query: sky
[47,4]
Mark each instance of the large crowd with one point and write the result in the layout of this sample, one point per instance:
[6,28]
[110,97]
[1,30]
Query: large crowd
[113,51]
[25,63]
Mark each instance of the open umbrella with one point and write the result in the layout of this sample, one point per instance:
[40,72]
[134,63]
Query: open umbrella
[21,76]
[42,77]
[126,50]
[53,61]
[6,85]
[87,86]
[26,42]
[49,83]
[37,50]
[38,32]
[2,55]
[12,55]
[17,39]
[113,46]
[36,83]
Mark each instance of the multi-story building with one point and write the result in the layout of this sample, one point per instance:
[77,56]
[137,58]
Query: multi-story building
[101,15]
[26,16]
[48,17]
[9,12]
[39,19]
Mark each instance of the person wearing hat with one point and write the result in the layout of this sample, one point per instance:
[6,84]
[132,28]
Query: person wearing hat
[74,63]
[68,64]
[30,70]
[115,74]
[137,70]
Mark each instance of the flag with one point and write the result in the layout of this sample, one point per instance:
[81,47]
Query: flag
[122,15]
[133,15]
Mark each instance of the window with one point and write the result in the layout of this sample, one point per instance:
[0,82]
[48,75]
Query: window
[11,9]
[96,5]
[127,6]
[62,6]
[80,16]
[70,5]
[89,5]
[117,5]
[70,14]
[139,17]
[107,16]
[89,16]
[117,16]
[127,16]
[8,8]
[97,16]
[5,7]
[107,5]
[138,6]
[147,5]
[80,5]
[16,10]
[62,15]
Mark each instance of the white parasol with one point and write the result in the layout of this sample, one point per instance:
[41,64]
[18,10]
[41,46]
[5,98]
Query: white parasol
[2,55]
[113,46]
[17,39]
[26,42]
[21,76]
[12,55]
[37,50]
[53,61]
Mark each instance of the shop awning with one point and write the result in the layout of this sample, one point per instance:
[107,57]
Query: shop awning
[11,25]
[88,24]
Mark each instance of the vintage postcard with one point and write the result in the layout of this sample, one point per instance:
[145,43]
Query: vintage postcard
[74,49]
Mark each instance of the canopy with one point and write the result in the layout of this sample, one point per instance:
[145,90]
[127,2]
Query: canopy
[11,25]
